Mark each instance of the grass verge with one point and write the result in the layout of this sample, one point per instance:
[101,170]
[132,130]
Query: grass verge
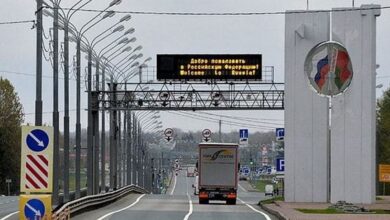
[320,211]
[272,200]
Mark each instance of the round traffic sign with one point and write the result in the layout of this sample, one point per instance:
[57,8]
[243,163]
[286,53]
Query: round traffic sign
[206,133]
[168,132]
[37,140]
[329,68]
[34,209]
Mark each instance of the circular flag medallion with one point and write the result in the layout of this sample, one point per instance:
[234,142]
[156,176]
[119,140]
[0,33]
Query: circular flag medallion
[329,68]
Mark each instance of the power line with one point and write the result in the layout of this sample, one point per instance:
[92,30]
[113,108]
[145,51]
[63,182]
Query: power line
[249,119]
[234,122]
[17,22]
[71,110]
[225,13]
[28,74]
[189,115]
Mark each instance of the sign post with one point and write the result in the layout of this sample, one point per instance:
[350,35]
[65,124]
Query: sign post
[36,172]
[8,182]
[35,207]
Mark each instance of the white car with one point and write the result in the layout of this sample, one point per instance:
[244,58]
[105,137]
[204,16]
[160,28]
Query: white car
[269,190]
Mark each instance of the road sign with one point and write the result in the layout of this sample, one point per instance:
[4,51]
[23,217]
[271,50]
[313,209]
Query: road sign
[37,140]
[36,159]
[280,134]
[33,207]
[245,170]
[8,180]
[384,173]
[168,138]
[280,164]
[244,133]
[168,132]
[206,133]
[206,139]
[244,136]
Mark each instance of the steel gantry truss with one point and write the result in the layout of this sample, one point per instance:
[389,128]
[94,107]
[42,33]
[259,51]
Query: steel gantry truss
[191,96]
[124,101]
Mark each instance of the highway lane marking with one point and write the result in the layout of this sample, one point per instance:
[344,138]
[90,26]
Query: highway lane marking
[191,208]
[239,185]
[110,213]
[9,215]
[265,215]
[174,186]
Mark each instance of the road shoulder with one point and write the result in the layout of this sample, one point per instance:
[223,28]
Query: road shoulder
[100,211]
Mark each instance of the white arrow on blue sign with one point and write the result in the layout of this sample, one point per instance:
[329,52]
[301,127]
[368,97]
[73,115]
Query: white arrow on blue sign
[37,140]
[244,133]
[34,209]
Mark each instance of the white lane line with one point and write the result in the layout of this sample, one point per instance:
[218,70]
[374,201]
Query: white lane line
[9,215]
[265,215]
[131,205]
[239,185]
[191,208]
[174,185]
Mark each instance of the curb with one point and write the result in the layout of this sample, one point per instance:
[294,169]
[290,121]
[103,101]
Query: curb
[273,212]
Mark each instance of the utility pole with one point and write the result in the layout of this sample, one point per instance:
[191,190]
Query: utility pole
[133,150]
[128,148]
[220,132]
[56,151]
[66,113]
[38,100]
[78,118]
[103,138]
[90,145]
[96,135]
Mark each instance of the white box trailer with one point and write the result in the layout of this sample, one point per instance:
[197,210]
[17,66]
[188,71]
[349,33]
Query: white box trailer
[218,172]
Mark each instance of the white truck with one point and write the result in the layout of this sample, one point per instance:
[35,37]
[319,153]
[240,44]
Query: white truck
[218,172]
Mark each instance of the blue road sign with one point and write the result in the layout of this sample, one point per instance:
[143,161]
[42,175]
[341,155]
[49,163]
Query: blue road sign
[245,170]
[37,140]
[34,209]
[280,164]
[280,134]
[244,133]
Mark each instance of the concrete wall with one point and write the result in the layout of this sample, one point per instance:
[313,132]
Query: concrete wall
[353,113]
[306,113]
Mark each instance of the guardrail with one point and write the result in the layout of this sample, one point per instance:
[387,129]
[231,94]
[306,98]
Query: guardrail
[83,203]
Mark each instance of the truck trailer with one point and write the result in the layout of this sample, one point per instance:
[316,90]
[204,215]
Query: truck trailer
[218,172]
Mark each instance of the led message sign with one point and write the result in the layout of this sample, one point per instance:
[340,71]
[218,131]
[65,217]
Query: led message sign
[209,66]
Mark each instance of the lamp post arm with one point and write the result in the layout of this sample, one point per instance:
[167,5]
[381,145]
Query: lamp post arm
[116,51]
[101,51]
[93,43]
[70,13]
[91,20]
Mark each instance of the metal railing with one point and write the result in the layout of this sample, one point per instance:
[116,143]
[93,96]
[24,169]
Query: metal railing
[86,202]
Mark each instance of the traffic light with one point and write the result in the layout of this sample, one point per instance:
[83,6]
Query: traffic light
[251,161]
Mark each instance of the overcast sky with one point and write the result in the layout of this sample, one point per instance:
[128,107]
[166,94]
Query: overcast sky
[174,34]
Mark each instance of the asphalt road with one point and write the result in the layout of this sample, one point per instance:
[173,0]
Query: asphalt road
[180,204]
[8,204]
